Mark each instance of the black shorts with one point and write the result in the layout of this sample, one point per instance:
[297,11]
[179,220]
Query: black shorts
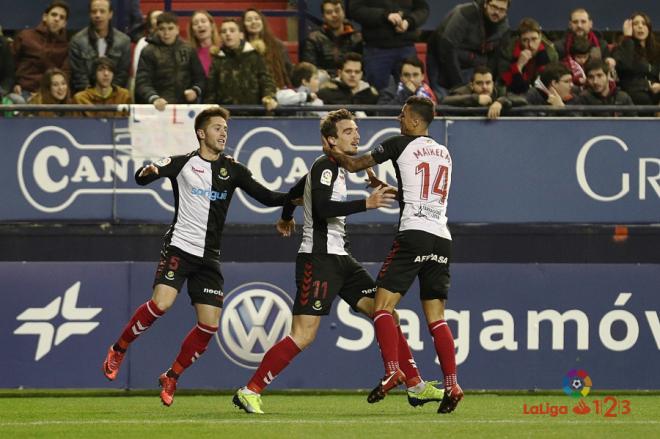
[421,254]
[205,281]
[321,277]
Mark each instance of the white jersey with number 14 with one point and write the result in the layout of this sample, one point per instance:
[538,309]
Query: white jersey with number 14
[423,172]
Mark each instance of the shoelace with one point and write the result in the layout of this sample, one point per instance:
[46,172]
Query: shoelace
[115,359]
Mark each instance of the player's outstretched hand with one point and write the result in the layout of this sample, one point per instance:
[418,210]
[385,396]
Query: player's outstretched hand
[380,197]
[148,170]
[374,181]
[286,228]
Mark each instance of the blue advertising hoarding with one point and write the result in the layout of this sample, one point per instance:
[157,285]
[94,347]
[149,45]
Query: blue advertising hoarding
[509,171]
[517,326]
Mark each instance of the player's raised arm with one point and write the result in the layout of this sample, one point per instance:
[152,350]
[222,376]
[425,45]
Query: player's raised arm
[162,168]
[258,191]
[350,163]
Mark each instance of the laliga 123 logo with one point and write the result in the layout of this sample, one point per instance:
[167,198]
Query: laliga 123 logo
[255,316]
[577,383]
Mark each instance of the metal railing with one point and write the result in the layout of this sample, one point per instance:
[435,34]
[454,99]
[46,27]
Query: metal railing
[379,110]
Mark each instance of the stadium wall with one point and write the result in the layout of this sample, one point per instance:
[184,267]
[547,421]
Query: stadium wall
[517,326]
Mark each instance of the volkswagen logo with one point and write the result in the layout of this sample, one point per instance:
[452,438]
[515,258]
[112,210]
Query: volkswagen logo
[255,316]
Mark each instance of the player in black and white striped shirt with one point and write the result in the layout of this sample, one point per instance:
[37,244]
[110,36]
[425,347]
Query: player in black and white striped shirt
[422,247]
[203,184]
[325,268]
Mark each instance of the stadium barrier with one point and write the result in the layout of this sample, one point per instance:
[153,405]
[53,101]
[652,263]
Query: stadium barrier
[509,171]
[517,326]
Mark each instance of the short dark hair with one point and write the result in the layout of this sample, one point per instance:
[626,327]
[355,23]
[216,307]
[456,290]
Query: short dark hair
[508,3]
[329,121]
[597,64]
[350,56]
[423,107]
[570,17]
[481,70]
[302,70]
[203,118]
[167,17]
[528,24]
[236,21]
[57,4]
[581,46]
[412,61]
[332,2]
[109,4]
[553,72]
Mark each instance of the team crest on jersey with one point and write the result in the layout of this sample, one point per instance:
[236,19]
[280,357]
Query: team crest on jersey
[224,175]
[169,275]
[163,162]
[317,306]
[326,177]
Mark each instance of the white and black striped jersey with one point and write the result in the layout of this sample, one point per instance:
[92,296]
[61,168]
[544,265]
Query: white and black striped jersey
[202,193]
[423,173]
[324,195]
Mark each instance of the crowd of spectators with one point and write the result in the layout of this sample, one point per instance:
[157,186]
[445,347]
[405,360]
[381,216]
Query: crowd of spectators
[474,59]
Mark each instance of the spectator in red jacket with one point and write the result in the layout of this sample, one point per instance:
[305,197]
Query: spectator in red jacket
[41,48]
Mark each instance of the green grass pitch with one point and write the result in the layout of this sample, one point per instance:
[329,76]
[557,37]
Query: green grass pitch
[91,415]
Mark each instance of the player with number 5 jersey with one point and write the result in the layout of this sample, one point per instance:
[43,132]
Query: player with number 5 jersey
[422,246]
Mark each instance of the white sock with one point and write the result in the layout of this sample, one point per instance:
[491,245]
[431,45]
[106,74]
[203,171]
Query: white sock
[248,391]
[418,388]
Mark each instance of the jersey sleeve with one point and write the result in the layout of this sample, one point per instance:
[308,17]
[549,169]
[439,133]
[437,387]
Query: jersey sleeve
[296,191]
[390,149]
[322,178]
[256,190]
[167,167]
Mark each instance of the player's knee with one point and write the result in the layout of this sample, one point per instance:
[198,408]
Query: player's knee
[163,303]
[303,339]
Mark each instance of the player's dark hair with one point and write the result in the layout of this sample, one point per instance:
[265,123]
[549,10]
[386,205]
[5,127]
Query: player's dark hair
[57,4]
[302,70]
[423,107]
[553,72]
[167,17]
[202,120]
[329,121]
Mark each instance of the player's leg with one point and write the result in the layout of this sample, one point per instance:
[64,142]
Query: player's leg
[419,391]
[144,316]
[318,278]
[205,287]
[434,287]
[443,341]
[278,357]
[192,347]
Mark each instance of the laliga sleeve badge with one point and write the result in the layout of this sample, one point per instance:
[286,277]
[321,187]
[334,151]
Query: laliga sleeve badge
[326,177]
[379,149]
[163,162]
